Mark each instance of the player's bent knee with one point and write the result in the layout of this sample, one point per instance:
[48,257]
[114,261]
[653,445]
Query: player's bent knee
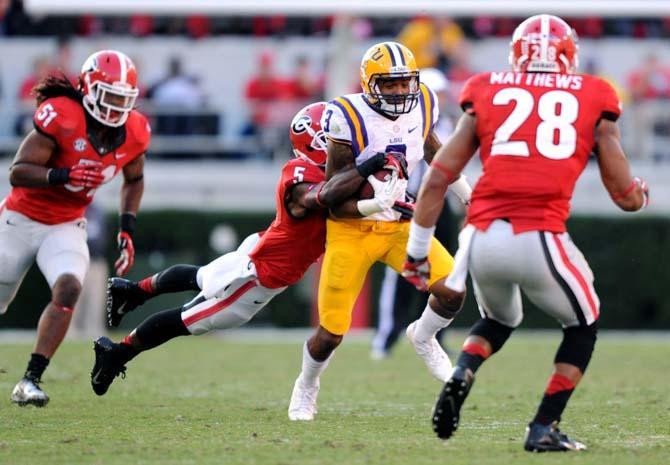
[494,332]
[577,346]
[66,290]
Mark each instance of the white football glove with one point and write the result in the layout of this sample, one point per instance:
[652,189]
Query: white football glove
[386,194]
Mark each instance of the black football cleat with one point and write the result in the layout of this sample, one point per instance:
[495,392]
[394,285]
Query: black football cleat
[548,438]
[123,296]
[448,407]
[107,365]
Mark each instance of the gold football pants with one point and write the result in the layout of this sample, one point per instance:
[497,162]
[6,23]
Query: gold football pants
[352,247]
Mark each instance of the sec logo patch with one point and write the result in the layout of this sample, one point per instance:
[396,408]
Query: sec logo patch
[80,144]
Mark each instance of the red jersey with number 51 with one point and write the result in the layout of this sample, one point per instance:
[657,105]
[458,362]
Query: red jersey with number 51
[64,121]
[536,133]
[290,245]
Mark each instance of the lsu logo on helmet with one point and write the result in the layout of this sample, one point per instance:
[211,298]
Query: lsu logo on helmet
[388,61]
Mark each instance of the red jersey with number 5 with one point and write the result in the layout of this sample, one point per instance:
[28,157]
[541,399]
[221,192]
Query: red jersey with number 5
[64,121]
[536,133]
[290,245]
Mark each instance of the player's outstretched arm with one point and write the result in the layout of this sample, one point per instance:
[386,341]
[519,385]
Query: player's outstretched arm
[445,168]
[629,193]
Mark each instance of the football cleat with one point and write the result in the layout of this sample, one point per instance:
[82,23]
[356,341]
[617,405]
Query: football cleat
[432,354]
[448,407]
[123,296]
[548,438]
[107,365]
[27,391]
[303,401]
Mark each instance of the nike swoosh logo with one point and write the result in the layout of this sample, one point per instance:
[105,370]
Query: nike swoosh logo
[410,130]
[119,156]
[95,378]
[119,311]
[258,302]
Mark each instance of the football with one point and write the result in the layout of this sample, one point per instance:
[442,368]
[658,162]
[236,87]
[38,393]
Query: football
[366,191]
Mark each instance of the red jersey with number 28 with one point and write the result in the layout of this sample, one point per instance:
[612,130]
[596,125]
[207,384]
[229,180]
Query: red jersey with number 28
[536,133]
[64,121]
[290,245]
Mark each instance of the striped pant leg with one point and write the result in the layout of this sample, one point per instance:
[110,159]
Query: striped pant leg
[203,315]
[571,278]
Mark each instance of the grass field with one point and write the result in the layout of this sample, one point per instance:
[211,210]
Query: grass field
[214,400]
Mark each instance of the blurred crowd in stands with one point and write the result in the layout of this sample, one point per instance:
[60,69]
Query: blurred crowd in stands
[15,21]
[178,105]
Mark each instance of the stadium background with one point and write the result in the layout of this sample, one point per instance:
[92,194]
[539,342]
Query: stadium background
[218,144]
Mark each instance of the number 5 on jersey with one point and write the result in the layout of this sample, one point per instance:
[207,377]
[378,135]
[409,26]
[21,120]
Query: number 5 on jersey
[46,115]
[555,136]
[298,174]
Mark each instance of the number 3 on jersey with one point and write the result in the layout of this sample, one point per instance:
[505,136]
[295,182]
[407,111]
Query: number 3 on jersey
[46,115]
[555,136]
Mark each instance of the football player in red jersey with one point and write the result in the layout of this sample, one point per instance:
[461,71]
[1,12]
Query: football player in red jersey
[535,128]
[236,286]
[83,137]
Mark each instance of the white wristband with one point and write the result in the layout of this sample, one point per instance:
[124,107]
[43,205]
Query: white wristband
[418,244]
[368,207]
[462,189]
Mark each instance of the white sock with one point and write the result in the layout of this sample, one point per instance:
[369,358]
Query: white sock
[311,369]
[429,324]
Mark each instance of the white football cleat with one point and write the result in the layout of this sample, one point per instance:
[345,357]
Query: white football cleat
[28,392]
[303,401]
[433,355]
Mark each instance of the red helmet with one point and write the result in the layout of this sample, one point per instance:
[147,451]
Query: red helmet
[109,82]
[546,44]
[307,137]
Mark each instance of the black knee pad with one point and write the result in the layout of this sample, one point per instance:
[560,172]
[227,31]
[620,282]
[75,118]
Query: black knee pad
[577,346]
[494,332]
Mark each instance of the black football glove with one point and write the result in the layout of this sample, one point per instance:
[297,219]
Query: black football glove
[373,164]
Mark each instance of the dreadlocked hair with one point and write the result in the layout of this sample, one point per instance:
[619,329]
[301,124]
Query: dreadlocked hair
[56,86]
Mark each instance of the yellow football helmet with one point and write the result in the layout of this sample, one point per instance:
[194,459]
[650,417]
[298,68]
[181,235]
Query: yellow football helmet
[389,61]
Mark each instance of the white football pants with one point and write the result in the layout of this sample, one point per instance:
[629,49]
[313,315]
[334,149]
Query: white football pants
[231,294]
[548,267]
[59,249]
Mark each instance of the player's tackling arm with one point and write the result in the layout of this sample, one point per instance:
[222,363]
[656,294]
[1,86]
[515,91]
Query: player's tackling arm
[445,168]
[330,193]
[627,192]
